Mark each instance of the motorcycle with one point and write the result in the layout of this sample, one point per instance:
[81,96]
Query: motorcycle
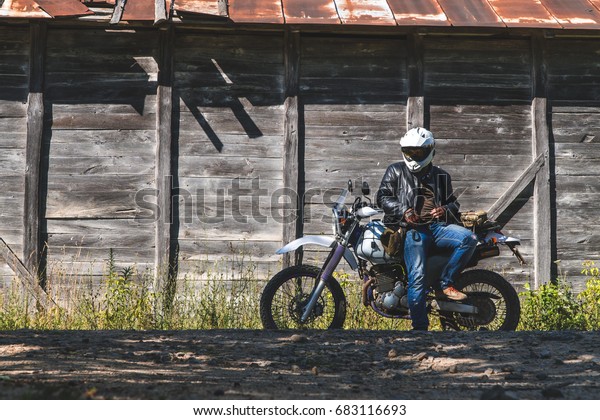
[309,297]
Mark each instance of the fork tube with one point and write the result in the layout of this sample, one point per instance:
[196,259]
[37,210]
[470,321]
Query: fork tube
[335,258]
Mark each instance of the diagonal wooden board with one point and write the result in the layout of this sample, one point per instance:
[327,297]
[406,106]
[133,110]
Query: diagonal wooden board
[29,280]
[515,189]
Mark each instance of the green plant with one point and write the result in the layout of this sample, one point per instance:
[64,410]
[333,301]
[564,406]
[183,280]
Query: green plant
[590,296]
[553,306]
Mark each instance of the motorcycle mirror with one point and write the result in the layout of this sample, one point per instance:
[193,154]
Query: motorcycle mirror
[365,188]
[350,188]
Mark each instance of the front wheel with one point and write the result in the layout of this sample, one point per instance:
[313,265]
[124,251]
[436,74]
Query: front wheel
[497,302]
[287,293]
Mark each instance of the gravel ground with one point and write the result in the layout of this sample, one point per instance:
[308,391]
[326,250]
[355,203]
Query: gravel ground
[343,365]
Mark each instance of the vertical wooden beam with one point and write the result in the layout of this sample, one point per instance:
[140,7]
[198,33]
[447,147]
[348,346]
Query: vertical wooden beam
[415,106]
[33,152]
[164,112]
[160,11]
[291,140]
[542,205]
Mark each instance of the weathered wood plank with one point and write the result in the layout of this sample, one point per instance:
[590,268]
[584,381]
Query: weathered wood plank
[126,239]
[543,267]
[30,281]
[568,127]
[578,184]
[191,249]
[12,125]
[33,152]
[112,165]
[124,256]
[104,122]
[267,168]
[324,116]
[116,204]
[245,47]
[101,183]
[235,121]
[517,187]
[291,142]
[163,173]
[199,143]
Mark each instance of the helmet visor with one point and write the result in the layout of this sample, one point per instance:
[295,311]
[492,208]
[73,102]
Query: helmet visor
[416,153]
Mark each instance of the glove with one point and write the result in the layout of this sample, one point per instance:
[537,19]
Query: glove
[411,217]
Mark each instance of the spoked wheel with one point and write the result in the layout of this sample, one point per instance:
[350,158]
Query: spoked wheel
[285,296]
[496,300]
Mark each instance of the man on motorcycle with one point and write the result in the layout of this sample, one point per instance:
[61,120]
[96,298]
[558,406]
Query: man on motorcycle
[419,196]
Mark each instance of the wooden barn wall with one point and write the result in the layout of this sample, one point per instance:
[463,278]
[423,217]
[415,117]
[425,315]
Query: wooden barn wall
[14,87]
[99,141]
[357,95]
[228,175]
[478,105]
[353,92]
[574,92]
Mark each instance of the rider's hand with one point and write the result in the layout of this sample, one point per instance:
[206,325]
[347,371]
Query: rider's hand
[438,212]
[411,217]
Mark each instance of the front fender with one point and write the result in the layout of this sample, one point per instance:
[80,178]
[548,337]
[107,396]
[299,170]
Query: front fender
[326,241]
[320,240]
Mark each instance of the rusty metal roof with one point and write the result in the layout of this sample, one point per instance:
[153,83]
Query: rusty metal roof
[576,14]
[22,9]
[524,13]
[366,12]
[552,14]
[418,12]
[311,11]
[203,7]
[470,13]
[256,11]
[138,10]
[63,8]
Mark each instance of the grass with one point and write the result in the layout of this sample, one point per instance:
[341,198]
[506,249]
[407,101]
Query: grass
[209,298]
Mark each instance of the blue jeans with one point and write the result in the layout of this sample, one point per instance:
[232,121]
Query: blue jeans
[417,247]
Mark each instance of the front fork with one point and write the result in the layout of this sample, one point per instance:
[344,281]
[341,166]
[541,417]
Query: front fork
[334,258]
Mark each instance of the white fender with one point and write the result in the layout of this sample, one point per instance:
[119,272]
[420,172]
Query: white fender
[326,241]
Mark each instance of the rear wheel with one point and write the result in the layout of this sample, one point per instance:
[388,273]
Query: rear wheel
[497,302]
[285,296]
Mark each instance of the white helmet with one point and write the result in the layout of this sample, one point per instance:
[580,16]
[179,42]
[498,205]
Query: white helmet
[418,148]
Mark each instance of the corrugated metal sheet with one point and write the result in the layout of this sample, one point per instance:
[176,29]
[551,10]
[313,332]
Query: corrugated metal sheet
[310,11]
[204,7]
[576,14]
[138,10]
[524,13]
[63,8]
[256,11]
[365,12]
[557,14]
[418,12]
[22,9]
[471,13]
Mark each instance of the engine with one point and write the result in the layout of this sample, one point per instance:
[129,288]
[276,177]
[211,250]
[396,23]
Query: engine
[390,289]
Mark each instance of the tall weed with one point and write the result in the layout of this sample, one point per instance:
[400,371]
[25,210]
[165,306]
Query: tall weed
[554,306]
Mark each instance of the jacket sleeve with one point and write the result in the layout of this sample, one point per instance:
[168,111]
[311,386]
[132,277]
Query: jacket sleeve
[388,194]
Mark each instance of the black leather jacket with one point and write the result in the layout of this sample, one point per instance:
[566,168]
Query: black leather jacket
[399,190]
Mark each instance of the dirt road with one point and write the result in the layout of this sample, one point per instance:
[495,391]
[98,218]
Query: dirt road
[243,364]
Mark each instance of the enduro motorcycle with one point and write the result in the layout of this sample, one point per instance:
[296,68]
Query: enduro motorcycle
[309,297]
